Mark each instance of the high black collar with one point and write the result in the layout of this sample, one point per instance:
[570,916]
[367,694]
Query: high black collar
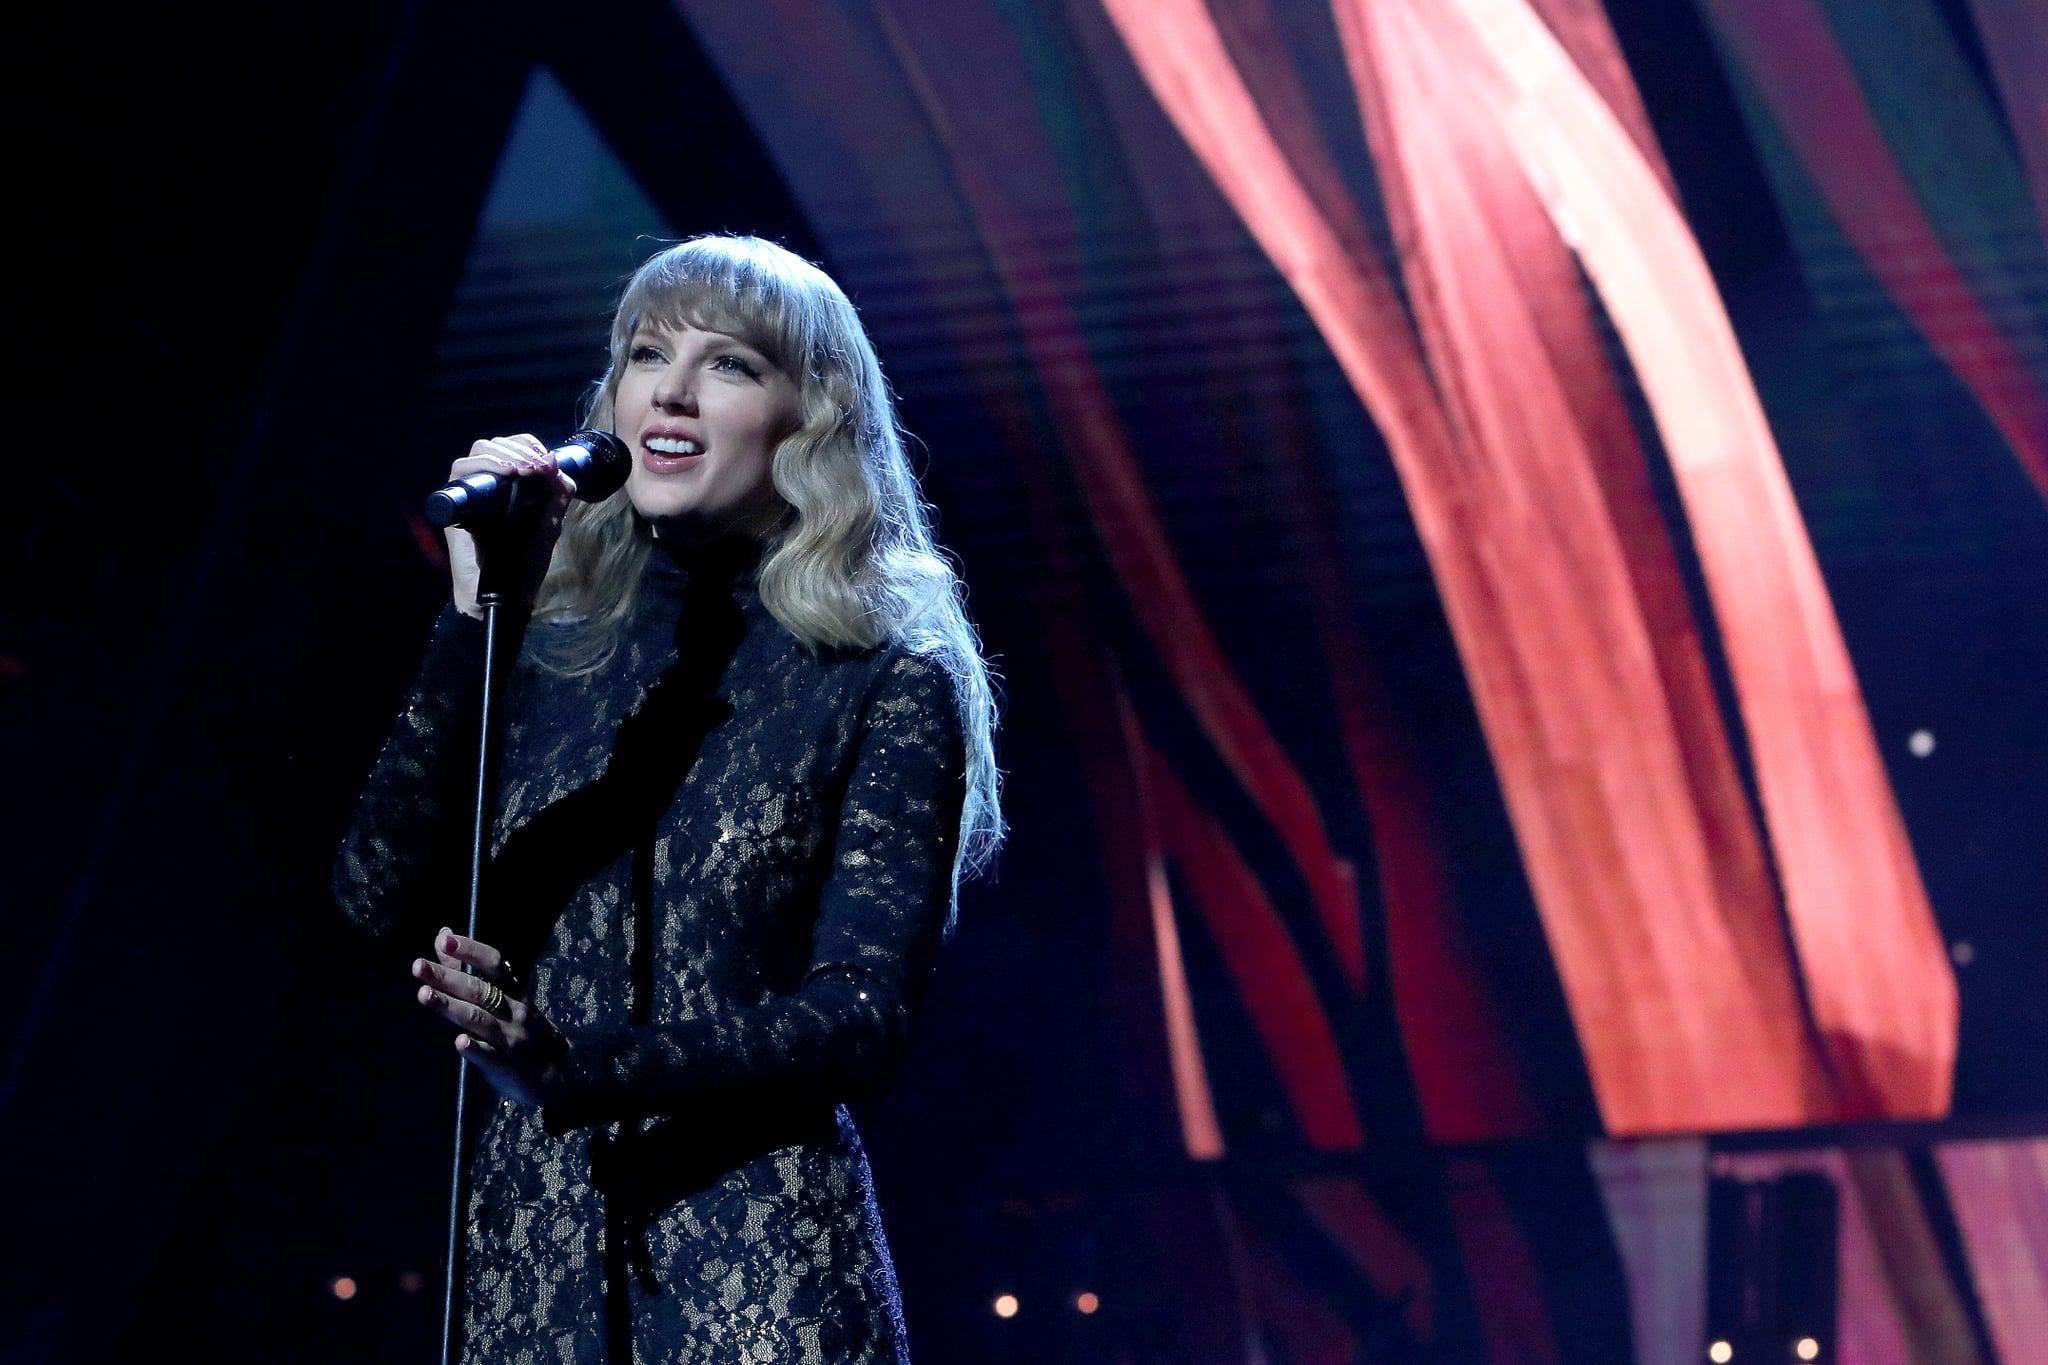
[732,559]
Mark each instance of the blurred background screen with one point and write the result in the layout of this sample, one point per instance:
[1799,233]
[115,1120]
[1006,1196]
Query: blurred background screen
[1515,535]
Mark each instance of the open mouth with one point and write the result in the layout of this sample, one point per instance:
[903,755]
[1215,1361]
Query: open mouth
[669,454]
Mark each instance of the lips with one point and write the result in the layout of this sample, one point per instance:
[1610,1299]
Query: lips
[668,464]
[664,451]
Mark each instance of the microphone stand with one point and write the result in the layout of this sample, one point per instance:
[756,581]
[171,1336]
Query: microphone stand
[496,545]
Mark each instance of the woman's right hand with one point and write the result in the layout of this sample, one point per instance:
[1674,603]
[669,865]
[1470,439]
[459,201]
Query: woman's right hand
[521,456]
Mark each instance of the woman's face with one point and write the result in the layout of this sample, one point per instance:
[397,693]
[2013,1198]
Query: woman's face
[703,412]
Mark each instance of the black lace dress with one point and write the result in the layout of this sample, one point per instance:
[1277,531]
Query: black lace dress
[728,861]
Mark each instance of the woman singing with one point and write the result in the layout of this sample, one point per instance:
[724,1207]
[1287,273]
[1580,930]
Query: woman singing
[747,758]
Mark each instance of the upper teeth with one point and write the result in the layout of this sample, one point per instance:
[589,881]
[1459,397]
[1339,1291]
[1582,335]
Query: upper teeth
[669,445]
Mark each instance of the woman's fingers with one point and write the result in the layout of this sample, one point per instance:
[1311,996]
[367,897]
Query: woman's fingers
[451,980]
[456,951]
[508,1080]
[510,457]
[464,1014]
[478,990]
[483,1002]
[486,1059]
[512,1043]
[522,454]
[447,947]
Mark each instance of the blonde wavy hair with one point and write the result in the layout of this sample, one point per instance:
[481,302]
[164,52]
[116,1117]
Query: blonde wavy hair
[852,564]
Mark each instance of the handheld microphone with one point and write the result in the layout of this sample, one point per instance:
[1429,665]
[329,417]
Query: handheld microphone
[597,460]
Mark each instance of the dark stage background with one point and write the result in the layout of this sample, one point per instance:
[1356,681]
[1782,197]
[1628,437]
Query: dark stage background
[1272,1032]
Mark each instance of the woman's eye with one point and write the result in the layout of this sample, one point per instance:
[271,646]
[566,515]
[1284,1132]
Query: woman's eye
[732,364]
[644,355]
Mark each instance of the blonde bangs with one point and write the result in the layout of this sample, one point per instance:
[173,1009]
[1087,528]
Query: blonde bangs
[751,297]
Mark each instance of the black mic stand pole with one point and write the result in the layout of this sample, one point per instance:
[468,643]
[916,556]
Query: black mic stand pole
[496,545]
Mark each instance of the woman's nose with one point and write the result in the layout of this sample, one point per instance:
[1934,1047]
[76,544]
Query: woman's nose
[674,392]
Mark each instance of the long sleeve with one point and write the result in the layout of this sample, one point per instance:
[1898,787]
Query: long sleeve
[403,846]
[881,914]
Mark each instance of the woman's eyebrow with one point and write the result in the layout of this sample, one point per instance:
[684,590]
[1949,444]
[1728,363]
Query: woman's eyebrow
[727,338]
[659,334]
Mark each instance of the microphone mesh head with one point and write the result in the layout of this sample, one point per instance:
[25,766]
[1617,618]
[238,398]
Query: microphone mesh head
[602,472]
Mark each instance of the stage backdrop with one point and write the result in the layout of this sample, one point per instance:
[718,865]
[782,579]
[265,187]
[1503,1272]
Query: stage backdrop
[1531,551]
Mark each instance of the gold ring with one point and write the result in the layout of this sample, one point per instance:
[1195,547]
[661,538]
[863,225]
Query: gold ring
[493,997]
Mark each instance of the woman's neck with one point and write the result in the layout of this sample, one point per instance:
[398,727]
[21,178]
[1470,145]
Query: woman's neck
[723,556]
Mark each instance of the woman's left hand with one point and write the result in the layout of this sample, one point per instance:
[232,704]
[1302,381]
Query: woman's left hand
[520,1053]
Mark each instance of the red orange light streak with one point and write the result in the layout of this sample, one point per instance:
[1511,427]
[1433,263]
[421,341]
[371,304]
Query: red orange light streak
[1877,975]
[1262,960]
[1668,950]
[1201,1133]
[1658,1058]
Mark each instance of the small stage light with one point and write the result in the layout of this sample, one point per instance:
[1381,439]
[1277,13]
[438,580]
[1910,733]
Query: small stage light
[1087,1303]
[1006,1305]
[1921,743]
[1720,1353]
[1806,1348]
[342,1287]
